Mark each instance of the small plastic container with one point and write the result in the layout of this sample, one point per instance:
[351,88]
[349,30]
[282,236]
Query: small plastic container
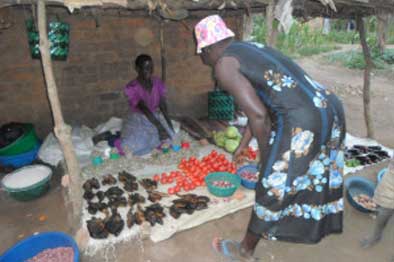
[165,150]
[114,156]
[222,176]
[185,145]
[245,182]
[98,160]
[176,148]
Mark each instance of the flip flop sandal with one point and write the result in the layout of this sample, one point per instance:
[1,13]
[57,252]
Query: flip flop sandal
[223,250]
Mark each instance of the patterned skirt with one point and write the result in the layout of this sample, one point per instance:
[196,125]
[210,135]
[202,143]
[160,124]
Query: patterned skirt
[299,194]
[139,135]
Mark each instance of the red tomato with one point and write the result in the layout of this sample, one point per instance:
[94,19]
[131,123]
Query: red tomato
[170,180]
[156,178]
[163,175]
[186,187]
[163,180]
[171,190]
[177,189]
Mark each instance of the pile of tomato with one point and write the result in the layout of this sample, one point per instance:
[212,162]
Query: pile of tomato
[192,172]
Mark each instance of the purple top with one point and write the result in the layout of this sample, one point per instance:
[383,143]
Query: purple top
[135,93]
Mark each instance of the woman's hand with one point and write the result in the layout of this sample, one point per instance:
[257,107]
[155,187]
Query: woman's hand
[237,156]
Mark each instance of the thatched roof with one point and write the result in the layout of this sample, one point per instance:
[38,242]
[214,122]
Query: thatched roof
[179,8]
[344,8]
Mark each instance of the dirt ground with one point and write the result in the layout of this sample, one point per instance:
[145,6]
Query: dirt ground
[18,220]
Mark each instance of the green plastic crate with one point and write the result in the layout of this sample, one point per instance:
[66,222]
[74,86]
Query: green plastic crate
[58,35]
[220,106]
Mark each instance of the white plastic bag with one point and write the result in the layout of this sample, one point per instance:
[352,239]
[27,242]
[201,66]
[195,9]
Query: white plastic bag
[51,153]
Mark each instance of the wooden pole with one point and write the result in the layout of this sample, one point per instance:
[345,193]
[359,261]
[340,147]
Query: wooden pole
[163,52]
[367,77]
[270,17]
[247,29]
[381,30]
[62,131]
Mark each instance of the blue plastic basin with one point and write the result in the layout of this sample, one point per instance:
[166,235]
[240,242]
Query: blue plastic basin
[33,245]
[20,160]
[357,185]
[381,174]
[244,182]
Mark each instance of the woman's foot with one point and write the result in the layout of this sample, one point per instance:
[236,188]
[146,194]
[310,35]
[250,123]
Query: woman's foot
[370,241]
[231,250]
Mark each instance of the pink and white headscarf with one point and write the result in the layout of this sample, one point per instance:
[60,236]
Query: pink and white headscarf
[211,30]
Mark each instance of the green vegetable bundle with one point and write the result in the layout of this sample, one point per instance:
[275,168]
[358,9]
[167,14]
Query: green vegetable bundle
[229,139]
[352,163]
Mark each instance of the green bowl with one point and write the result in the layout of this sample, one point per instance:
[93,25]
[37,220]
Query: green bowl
[31,192]
[222,176]
[23,144]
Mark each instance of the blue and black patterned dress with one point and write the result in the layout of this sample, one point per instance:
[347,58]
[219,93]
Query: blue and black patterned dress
[299,193]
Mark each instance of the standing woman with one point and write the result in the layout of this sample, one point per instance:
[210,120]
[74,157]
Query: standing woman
[300,128]
[147,123]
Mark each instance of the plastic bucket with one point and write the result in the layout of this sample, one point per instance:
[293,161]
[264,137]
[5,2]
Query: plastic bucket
[31,246]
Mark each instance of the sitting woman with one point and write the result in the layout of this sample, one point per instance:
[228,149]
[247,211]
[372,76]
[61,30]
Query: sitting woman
[147,123]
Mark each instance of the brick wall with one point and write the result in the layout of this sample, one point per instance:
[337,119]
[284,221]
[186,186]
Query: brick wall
[99,64]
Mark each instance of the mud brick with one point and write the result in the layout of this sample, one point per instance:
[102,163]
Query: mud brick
[106,56]
[77,35]
[72,70]
[92,78]
[109,96]
[90,69]
[107,71]
[83,24]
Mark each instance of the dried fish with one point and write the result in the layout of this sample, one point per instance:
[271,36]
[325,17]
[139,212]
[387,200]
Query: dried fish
[114,224]
[148,184]
[96,228]
[108,180]
[91,184]
[136,199]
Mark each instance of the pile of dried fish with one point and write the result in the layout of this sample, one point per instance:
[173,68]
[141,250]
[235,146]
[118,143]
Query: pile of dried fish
[108,180]
[136,199]
[108,199]
[100,228]
[88,187]
[148,184]
[114,195]
[129,181]
[187,204]
[152,214]
[113,222]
